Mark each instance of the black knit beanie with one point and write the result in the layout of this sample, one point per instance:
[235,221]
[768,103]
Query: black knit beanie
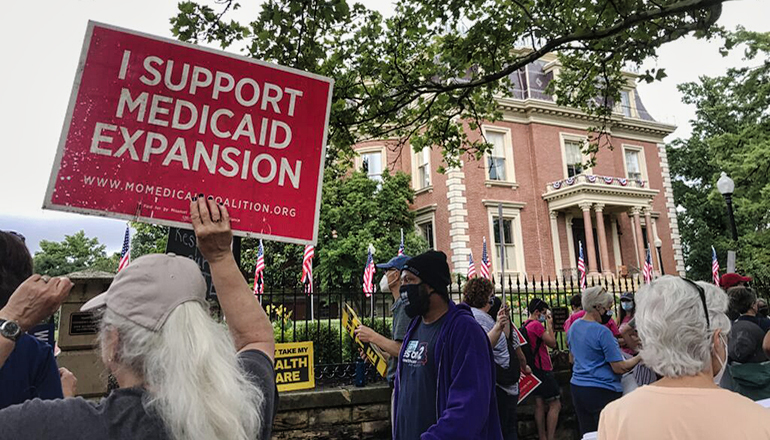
[432,268]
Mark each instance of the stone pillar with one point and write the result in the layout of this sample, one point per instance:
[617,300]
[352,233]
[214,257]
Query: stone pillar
[556,243]
[458,221]
[590,247]
[636,210]
[78,331]
[650,236]
[603,251]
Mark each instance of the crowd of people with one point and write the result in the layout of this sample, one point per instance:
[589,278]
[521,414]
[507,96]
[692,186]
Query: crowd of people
[683,360]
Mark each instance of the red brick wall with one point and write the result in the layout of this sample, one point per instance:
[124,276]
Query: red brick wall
[538,161]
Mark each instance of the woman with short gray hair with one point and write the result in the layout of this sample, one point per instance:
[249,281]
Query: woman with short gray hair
[598,362]
[683,328]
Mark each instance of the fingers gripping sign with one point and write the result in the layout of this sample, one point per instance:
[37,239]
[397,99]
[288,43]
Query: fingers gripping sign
[211,223]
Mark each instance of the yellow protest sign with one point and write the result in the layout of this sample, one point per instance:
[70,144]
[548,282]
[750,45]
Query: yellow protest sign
[294,366]
[373,354]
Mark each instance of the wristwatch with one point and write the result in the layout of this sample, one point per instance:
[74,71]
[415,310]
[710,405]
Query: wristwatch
[10,329]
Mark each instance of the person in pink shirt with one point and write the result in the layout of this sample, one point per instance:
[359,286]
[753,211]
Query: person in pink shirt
[578,312]
[627,312]
[539,333]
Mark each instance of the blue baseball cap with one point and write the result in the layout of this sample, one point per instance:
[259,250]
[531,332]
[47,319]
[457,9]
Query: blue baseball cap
[397,263]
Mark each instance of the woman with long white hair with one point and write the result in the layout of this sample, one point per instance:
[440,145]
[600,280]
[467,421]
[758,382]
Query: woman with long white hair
[181,376]
[683,330]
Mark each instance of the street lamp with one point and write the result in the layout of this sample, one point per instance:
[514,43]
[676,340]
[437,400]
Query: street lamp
[726,187]
[658,245]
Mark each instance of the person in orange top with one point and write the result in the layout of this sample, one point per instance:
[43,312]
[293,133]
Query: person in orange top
[683,328]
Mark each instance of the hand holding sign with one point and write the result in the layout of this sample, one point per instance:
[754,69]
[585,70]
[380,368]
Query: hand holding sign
[211,223]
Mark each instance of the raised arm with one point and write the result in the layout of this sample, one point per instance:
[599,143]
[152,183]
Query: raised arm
[34,300]
[549,337]
[247,321]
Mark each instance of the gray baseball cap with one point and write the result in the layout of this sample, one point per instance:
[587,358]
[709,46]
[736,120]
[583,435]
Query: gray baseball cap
[150,288]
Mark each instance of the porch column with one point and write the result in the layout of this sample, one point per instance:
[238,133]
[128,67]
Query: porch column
[603,251]
[590,247]
[556,243]
[650,235]
[636,210]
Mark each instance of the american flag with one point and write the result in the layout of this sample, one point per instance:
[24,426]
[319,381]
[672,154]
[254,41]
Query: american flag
[471,267]
[259,279]
[647,269]
[369,275]
[486,265]
[581,266]
[125,253]
[307,269]
[401,249]
[714,266]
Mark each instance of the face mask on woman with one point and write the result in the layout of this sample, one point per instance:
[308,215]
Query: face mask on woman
[606,316]
[627,305]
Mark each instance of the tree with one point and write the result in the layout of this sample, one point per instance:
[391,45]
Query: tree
[355,211]
[148,239]
[75,253]
[731,133]
[435,68]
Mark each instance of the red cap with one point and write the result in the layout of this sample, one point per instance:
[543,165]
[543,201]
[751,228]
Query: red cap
[729,280]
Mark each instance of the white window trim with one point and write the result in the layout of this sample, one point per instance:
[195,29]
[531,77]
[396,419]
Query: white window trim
[576,138]
[416,172]
[512,212]
[642,160]
[425,216]
[371,149]
[510,173]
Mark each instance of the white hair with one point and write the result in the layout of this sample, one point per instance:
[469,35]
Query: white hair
[193,379]
[672,326]
[595,296]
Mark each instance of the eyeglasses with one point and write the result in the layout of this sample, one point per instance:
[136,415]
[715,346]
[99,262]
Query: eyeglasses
[702,294]
[17,235]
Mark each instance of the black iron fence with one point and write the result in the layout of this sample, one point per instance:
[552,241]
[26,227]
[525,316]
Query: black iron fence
[297,316]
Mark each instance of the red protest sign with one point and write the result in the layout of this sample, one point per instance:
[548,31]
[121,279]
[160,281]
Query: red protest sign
[527,384]
[152,122]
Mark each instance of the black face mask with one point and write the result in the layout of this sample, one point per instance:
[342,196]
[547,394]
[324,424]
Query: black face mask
[763,311]
[417,303]
[606,316]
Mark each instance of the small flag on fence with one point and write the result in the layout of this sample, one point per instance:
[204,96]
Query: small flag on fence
[714,266]
[369,274]
[647,269]
[125,253]
[471,266]
[581,266]
[307,269]
[259,279]
[401,248]
[486,265]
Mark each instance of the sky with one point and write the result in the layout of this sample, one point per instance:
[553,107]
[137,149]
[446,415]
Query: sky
[41,46]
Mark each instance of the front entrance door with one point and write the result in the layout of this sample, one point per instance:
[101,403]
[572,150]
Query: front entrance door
[579,236]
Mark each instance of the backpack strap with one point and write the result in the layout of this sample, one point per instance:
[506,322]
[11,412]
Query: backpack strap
[536,349]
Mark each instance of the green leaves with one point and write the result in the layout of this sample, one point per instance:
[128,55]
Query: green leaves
[731,133]
[75,253]
[430,74]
